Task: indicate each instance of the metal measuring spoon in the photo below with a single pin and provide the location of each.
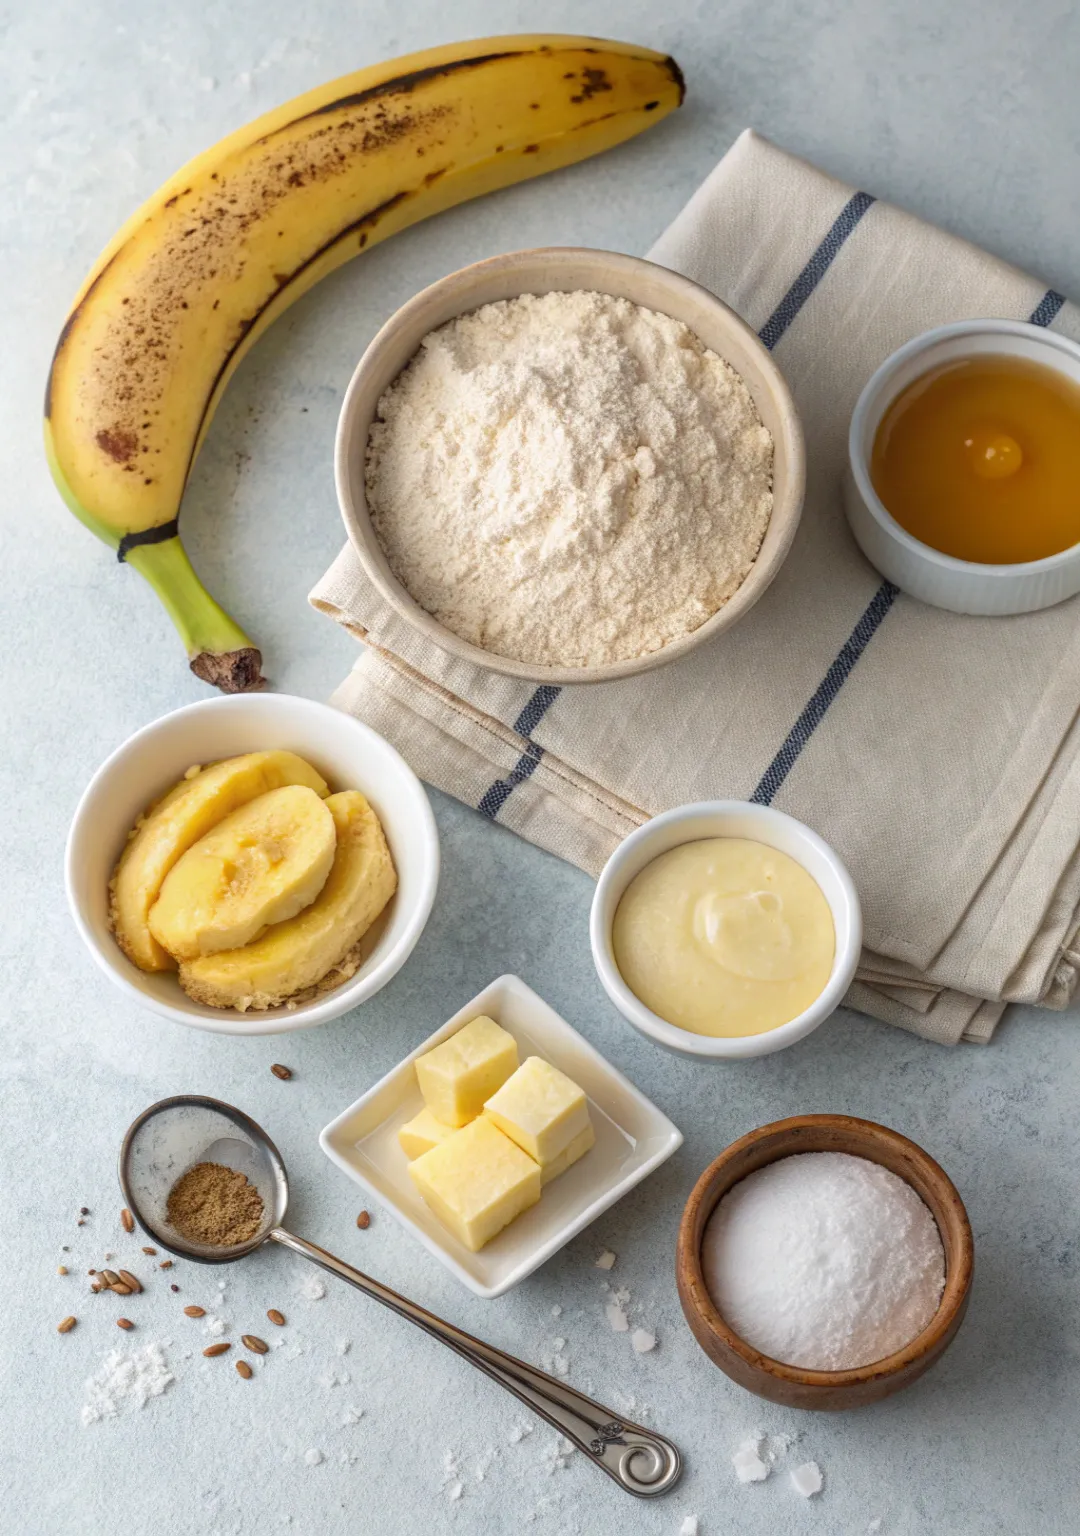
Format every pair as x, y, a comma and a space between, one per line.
170, 1136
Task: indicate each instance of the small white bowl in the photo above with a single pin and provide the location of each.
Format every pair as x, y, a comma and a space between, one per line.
726, 818
962, 586
349, 756
632, 1138
564, 270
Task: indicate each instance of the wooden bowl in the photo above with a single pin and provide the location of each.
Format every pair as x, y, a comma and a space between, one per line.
787, 1384
563, 270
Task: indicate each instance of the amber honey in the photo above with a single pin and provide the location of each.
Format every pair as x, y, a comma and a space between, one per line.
980, 458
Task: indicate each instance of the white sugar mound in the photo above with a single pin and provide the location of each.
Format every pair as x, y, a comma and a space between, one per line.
824, 1261
126, 1381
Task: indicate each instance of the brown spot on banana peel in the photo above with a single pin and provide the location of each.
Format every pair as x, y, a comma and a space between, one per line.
118, 444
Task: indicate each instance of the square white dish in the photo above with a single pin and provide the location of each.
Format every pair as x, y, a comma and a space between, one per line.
632, 1138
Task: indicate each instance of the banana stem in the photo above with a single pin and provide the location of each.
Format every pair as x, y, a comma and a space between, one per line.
218, 650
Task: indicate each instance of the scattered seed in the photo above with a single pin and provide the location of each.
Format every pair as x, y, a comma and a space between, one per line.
121, 1290
151, 1252
91, 1271
61, 1269
257, 1346
124, 1322
111, 1277
84, 1210
217, 1349
64, 1248
363, 1221
275, 1317
127, 1220
165, 1264
244, 1369
174, 1287
80, 1222
97, 1286
194, 1311
279, 1071
67, 1325
130, 1281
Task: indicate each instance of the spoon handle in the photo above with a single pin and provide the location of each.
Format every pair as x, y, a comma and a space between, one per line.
640, 1461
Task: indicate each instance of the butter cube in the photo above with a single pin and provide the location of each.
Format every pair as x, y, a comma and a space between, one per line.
421, 1133
541, 1109
569, 1155
476, 1182
458, 1075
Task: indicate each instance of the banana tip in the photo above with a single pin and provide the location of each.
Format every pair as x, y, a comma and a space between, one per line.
677, 76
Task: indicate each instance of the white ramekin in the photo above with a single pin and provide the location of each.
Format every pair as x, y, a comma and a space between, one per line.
726, 818
562, 270
348, 754
962, 586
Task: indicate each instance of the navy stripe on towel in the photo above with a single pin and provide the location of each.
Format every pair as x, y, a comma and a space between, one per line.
815, 269
495, 797
827, 689
1045, 312
536, 709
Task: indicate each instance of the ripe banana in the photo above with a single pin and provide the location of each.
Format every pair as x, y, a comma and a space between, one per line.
194, 277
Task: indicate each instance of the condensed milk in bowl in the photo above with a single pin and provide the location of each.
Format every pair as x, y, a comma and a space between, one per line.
725, 929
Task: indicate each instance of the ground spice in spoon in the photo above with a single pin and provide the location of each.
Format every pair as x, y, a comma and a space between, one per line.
215, 1206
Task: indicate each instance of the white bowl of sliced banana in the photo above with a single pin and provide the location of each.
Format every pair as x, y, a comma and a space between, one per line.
253, 864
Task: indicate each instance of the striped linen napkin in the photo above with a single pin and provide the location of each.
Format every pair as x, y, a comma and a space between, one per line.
939, 755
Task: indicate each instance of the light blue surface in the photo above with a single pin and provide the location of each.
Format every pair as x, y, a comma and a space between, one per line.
969, 115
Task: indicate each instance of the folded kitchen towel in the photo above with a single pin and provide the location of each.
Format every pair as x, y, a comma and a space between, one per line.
939, 755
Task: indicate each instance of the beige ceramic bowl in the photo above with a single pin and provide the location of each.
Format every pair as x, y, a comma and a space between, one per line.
564, 270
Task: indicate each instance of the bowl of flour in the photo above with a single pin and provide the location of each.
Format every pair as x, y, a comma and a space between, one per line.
568, 466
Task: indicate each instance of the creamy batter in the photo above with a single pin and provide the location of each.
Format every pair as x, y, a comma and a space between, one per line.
724, 937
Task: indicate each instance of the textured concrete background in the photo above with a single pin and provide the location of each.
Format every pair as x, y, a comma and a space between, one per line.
967, 114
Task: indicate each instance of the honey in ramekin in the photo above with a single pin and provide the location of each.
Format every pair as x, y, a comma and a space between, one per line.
980, 459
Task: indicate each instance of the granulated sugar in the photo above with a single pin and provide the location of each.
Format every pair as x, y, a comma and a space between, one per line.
749, 1463
824, 1261
807, 1479
569, 479
126, 1381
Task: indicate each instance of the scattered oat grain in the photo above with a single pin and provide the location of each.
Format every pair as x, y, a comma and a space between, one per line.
67, 1325
279, 1071
216, 1349
124, 1322
244, 1369
363, 1221
275, 1317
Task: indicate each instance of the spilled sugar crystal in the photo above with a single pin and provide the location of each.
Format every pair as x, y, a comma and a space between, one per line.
807, 1479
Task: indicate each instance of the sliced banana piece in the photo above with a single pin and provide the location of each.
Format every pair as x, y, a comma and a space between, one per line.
298, 954
184, 815
263, 864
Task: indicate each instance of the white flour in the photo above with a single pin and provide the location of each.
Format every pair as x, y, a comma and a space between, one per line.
569, 479
824, 1261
